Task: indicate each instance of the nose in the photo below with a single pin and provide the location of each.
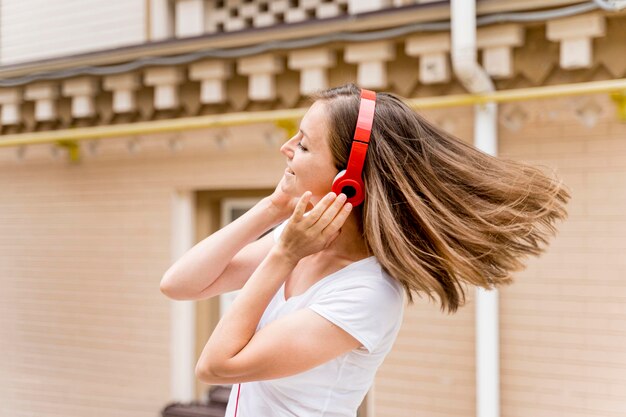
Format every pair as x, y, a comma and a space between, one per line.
287, 148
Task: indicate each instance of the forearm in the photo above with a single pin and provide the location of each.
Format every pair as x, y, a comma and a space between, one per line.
238, 325
200, 266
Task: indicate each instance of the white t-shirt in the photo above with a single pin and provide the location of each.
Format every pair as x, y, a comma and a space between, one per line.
363, 300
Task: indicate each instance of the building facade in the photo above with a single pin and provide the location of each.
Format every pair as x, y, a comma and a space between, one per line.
130, 130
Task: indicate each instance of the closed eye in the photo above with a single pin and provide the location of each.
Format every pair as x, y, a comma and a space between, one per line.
299, 145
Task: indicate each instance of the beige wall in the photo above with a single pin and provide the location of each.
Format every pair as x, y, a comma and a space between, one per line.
563, 325
85, 329
38, 29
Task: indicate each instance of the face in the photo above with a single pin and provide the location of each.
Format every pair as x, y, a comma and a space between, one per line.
309, 157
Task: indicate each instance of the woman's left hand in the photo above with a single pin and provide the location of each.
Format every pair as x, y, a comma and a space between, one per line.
304, 236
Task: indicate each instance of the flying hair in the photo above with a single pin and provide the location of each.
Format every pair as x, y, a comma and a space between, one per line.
438, 213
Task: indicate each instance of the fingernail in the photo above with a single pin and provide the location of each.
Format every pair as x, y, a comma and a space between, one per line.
348, 206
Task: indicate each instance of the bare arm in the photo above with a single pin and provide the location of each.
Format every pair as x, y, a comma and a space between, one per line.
236, 350
201, 265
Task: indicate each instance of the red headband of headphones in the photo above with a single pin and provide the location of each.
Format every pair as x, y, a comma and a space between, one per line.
349, 180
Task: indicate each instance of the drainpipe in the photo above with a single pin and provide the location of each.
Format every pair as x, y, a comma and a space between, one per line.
476, 81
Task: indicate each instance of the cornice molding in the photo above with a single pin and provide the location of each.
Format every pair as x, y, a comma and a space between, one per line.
376, 20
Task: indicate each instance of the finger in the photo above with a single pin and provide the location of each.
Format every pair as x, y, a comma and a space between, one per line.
298, 213
338, 221
321, 206
331, 211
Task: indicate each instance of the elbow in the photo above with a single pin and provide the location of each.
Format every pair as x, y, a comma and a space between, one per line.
167, 288
164, 287
205, 374
202, 375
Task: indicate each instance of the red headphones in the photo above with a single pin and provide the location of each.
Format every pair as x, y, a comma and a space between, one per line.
349, 180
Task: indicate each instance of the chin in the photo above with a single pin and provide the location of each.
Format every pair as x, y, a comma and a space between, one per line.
287, 189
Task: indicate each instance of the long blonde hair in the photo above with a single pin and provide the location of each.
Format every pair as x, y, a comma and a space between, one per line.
438, 212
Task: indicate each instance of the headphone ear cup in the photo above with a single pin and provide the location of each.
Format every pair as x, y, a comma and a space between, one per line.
354, 190
339, 175
336, 188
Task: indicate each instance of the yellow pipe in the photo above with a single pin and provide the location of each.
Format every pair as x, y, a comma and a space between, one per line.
285, 118
518, 94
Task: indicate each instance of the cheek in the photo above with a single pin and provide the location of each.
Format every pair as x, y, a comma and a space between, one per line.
314, 176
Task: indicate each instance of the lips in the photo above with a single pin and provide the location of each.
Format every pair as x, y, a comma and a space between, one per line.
289, 171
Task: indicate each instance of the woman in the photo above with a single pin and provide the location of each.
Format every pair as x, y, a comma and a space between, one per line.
321, 298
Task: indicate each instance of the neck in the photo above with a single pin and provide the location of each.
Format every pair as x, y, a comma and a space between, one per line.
349, 244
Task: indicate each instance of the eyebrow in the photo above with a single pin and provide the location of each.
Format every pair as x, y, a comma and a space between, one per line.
305, 134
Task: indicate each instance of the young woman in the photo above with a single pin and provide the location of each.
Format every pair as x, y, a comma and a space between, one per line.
322, 297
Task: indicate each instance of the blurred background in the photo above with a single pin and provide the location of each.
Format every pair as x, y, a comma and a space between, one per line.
132, 129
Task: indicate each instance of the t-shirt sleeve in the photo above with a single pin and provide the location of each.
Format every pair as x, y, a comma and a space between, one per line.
279, 229
367, 308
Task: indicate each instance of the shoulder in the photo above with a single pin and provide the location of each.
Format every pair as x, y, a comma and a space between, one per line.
363, 286
364, 302
369, 276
